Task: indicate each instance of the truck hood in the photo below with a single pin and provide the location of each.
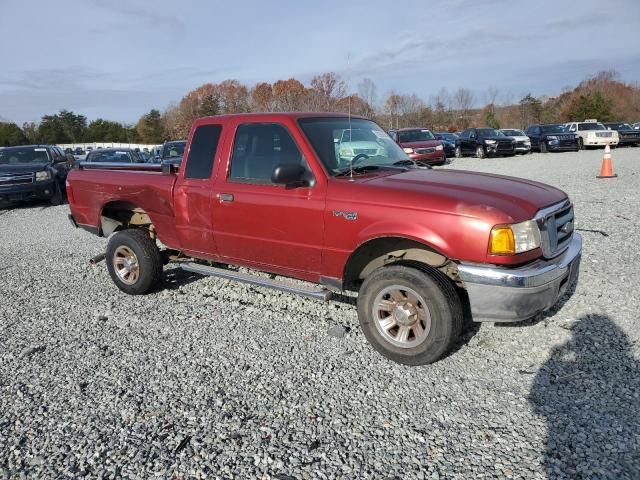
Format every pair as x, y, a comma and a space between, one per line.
22, 169
519, 138
506, 199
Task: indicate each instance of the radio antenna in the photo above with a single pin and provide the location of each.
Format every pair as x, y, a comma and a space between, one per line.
349, 114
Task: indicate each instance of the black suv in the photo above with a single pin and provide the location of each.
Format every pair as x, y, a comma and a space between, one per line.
552, 138
627, 134
33, 172
484, 142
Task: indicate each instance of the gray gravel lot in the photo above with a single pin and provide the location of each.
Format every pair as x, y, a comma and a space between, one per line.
214, 379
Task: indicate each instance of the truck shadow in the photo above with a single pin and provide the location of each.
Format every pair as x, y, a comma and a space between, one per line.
588, 392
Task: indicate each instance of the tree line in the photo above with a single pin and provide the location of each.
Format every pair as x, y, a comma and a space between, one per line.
602, 96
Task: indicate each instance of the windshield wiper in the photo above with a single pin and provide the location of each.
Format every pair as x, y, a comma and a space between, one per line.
404, 162
357, 169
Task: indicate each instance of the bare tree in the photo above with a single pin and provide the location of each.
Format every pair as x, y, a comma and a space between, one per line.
367, 91
490, 98
463, 99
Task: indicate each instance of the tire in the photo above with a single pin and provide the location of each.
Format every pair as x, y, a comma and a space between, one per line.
543, 147
57, 198
480, 153
140, 274
436, 307
580, 144
458, 152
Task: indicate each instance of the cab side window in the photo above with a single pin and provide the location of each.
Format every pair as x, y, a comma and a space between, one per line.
258, 148
202, 152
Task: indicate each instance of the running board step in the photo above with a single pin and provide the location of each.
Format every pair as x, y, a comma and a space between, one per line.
320, 294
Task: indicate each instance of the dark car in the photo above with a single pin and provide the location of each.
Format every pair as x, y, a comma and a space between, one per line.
172, 152
421, 145
627, 134
552, 138
448, 140
114, 155
33, 172
78, 151
484, 142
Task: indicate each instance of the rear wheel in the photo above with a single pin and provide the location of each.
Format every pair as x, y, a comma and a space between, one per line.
580, 144
134, 261
480, 153
410, 314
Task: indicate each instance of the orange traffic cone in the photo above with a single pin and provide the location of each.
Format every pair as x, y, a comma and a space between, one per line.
606, 171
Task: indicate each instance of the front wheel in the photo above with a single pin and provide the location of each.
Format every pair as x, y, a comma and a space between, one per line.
580, 144
410, 314
543, 147
134, 261
458, 152
480, 153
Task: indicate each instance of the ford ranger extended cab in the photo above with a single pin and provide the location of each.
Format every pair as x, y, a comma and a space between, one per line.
423, 248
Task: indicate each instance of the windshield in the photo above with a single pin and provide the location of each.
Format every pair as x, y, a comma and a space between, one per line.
449, 137
619, 126
410, 136
340, 143
116, 156
513, 133
553, 128
23, 156
173, 149
591, 126
489, 132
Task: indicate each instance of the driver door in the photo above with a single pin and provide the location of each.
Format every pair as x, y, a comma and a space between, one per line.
261, 224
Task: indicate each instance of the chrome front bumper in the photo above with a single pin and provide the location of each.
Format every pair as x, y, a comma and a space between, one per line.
499, 294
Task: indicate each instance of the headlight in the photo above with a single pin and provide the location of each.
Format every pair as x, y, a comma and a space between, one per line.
516, 238
489, 142
408, 150
44, 175
552, 137
439, 147
346, 151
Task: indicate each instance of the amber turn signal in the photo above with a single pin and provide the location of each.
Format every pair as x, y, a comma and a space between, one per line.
502, 241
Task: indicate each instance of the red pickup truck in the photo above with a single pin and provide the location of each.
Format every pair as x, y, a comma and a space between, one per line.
282, 193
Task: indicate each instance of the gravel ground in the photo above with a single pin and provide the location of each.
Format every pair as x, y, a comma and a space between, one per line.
214, 379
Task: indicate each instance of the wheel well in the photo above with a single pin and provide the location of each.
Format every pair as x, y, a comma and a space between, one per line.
383, 251
121, 215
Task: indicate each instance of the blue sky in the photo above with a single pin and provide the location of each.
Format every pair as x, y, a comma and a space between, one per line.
118, 59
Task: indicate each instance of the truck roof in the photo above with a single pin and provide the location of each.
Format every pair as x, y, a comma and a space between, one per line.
293, 115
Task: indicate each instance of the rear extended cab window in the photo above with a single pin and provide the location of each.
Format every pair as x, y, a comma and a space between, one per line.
202, 151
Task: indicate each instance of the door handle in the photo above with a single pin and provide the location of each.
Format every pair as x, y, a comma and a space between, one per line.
224, 197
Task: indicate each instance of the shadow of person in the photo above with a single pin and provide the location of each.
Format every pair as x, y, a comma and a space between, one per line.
589, 394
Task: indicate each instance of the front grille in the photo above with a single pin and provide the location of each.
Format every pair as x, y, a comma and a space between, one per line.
566, 137
603, 134
505, 147
365, 151
424, 150
556, 225
15, 179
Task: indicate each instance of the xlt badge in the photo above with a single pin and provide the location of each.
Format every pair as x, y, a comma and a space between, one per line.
346, 215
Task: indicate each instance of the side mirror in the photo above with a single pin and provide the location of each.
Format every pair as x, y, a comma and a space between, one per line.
290, 175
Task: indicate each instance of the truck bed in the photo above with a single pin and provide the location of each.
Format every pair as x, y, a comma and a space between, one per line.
92, 188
